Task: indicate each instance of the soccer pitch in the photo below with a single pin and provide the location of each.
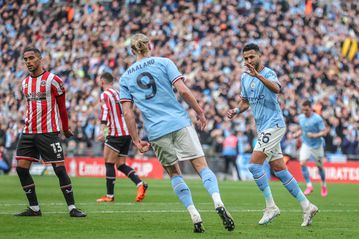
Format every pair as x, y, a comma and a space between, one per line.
161, 215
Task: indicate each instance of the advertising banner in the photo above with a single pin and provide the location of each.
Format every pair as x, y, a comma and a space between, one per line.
95, 167
335, 172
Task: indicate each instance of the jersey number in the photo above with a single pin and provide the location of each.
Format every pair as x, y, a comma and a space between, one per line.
56, 147
150, 85
265, 137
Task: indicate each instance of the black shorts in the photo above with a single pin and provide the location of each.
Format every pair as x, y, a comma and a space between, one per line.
120, 144
32, 146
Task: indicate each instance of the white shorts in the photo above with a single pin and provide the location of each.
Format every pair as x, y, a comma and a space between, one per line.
306, 151
268, 142
180, 145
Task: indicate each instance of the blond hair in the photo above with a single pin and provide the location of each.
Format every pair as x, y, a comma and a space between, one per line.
139, 44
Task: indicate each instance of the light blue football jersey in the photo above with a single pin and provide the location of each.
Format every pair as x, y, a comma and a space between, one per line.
312, 124
148, 83
263, 102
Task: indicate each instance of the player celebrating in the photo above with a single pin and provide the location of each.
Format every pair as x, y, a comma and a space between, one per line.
45, 95
148, 83
117, 141
259, 86
312, 130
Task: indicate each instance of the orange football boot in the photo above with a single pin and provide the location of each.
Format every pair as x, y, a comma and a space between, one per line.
141, 191
105, 199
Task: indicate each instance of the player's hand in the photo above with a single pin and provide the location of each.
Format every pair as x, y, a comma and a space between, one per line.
231, 113
68, 133
311, 135
143, 146
251, 70
202, 121
101, 137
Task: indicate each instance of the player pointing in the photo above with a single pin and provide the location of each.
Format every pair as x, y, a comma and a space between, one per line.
259, 86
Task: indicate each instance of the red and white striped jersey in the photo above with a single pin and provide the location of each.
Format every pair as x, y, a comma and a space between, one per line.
111, 113
42, 114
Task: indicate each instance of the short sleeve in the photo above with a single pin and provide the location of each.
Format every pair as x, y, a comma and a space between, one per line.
57, 86
172, 71
244, 94
272, 76
104, 109
125, 94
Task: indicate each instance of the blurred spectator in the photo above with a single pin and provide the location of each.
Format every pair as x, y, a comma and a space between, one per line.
81, 39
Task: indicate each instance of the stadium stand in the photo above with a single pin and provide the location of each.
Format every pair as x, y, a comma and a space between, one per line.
82, 39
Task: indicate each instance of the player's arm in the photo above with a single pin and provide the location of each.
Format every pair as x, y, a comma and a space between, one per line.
188, 97
322, 133
58, 90
129, 116
242, 106
61, 103
297, 133
271, 85
104, 117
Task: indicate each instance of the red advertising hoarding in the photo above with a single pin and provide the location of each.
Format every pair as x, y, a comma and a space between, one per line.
95, 167
335, 172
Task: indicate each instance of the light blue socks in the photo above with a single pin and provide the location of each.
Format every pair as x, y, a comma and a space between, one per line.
262, 182
209, 180
306, 176
292, 186
182, 190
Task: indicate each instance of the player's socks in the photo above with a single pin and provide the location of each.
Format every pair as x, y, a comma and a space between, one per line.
110, 178
28, 185
292, 186
195, 216
182, 191
65, 184
322, 175
306, 176
70, 207
35, 208
130, 173
210, 183
261, 180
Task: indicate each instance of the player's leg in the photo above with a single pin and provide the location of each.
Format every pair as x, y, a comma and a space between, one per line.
234, 162
188, 147
304, 155
110, 157
259, 175
210, 183
50, 149
289, 182
124, 146
319, 156
164, 149
26, 153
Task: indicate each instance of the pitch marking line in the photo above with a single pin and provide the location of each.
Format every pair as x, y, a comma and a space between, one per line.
185, 211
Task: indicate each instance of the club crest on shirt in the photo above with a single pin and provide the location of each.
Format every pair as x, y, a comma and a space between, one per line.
252, 85
43, 83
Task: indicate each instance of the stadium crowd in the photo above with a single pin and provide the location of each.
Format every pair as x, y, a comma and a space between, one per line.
81, 39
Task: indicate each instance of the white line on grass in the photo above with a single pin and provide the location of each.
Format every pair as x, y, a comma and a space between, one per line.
93, 203
185, 211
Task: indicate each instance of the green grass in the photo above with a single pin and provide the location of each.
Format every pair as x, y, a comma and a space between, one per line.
162, 216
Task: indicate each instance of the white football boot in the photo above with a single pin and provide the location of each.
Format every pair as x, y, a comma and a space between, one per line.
308, 214
269, 214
